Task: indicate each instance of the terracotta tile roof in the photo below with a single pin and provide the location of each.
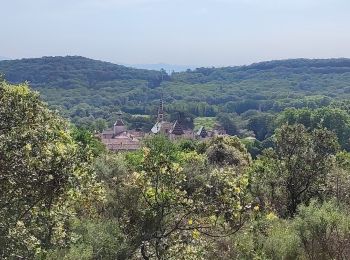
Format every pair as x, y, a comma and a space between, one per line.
108, 131
122, 142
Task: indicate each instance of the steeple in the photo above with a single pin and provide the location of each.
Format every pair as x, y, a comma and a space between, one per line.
160, 117
119, 126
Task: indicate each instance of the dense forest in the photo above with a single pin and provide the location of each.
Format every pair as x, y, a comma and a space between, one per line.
281, 195
87, 90
63, 196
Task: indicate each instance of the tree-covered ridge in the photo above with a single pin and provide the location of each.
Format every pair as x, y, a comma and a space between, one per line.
63, 196
272, 85
67, 72
68, 81
89, 92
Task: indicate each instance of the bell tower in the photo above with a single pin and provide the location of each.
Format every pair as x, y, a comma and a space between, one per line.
160, 117
119, 126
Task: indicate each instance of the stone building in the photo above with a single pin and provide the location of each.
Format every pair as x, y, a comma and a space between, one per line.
119, 138
172, 130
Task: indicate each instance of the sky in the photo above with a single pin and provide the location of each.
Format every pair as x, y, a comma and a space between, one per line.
184, 32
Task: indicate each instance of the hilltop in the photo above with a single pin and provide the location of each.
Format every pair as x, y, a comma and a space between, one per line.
86, 88
70, 71
4, 58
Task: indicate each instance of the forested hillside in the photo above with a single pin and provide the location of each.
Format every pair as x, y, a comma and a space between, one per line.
95, 87
90, 92
63, 196
72, 71
279, 195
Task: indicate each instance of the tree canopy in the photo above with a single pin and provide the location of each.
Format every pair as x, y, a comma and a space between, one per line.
42, 172
278, 189
86, 90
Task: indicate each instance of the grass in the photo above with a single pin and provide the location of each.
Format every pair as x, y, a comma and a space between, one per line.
139, 115
207, 122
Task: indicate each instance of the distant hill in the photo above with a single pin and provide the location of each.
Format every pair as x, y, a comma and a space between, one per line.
4, 58
70, 71
169, 68
86, 88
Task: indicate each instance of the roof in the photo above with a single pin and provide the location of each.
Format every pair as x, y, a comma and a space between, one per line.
202, 132
177, 129
119, 122
161, 126
122, 142
136, 133
123, 147
121, 138
156, 128
106, 132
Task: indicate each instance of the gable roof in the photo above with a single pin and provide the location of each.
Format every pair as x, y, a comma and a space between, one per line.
162, 126
177, 129
202, 132
119, 122
156, 128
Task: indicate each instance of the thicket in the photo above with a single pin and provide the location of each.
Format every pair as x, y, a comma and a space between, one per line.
63, 196
90, 92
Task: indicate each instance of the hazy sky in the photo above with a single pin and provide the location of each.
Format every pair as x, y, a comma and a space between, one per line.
193, 32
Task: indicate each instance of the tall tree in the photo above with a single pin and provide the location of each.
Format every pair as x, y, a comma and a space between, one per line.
261, 125
296, 170
175, 208
334, 119
41, 174
227, 122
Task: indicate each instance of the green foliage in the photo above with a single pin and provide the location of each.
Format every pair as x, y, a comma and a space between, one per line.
338, 180
94, 239
63, 196
296, 170
282, 242
42, 175
261, 125
186, 119
80, 251
319, 231
207, 122
254, 147
334, 119
324, 231
175, 201
228, 123
227, 151
188, 145
159, 146
113, 170
72, 70
86, 90
87, 142
90, 92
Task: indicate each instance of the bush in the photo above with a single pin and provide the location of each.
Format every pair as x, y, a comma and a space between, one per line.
227, 151
324, 231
